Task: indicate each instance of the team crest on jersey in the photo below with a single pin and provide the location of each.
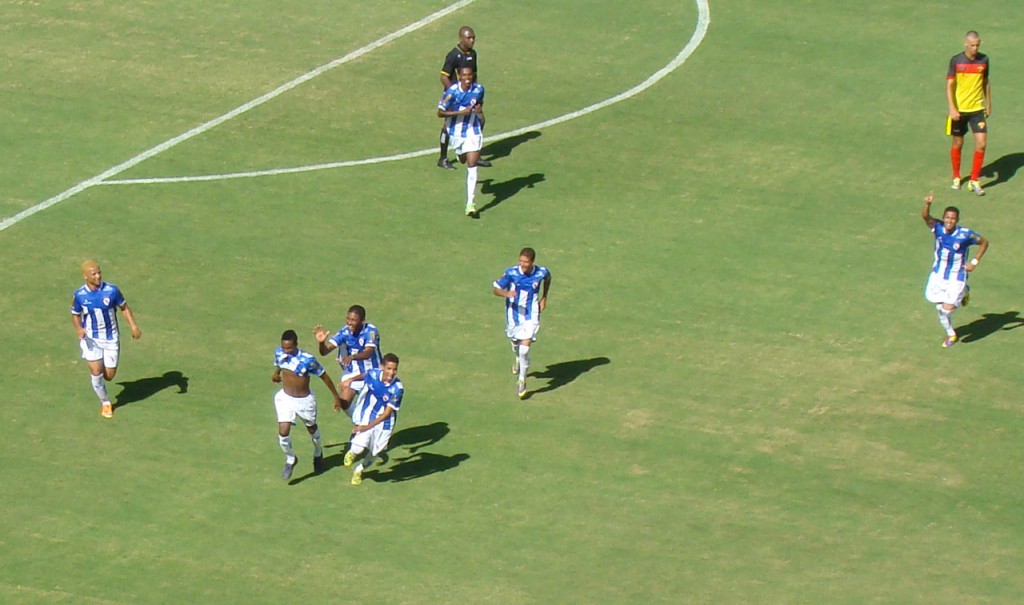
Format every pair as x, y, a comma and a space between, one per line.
106, 302
387, 398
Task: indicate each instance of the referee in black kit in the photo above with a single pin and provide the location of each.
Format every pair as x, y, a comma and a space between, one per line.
461, 56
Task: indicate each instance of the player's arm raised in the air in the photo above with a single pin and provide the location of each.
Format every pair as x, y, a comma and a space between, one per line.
926, 212
322, 342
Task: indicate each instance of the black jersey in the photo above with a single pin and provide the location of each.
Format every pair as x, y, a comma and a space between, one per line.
456, 60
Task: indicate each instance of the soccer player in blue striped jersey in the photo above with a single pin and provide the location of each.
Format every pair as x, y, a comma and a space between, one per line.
94, 315
375, 415
947, 283
293, 368
525, 290
462, 108
358, 345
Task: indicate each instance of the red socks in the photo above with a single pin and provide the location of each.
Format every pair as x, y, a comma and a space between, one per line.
979, 161
954, 154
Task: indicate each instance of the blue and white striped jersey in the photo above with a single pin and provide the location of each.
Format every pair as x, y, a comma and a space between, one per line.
380, 396
951, 251
301, 364
352, 344
455, 99
526, 304
98, 310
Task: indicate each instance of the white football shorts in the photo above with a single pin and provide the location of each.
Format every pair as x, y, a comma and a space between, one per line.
524, 330
289, 407
95, 350
941, 291
461, 145
375, 440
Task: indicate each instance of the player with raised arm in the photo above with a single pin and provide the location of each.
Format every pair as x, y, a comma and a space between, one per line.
947, 283
358, 345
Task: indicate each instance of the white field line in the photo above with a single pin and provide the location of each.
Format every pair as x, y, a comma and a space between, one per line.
703, 22
198, 130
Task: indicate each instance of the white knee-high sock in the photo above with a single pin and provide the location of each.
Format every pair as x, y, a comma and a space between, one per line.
470, 185
318, 449
100, 386
524, 361
286, 447
946, 321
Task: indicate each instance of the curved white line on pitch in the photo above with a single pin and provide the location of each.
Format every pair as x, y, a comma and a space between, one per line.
101, 178
704, 20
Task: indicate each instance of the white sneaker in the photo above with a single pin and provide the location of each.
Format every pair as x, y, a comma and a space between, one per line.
975, 186
956, 184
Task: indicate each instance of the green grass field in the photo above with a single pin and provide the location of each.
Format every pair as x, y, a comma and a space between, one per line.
740, 393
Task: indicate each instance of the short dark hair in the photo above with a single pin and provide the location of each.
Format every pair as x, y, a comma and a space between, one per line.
529, 253
358, 310
951, 209
389, 357
290, 336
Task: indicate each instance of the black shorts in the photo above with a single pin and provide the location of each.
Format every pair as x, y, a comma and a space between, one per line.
974, 119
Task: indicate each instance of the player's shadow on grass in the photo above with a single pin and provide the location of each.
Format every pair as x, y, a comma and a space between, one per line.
561, 374
504, 190
988, 324
504, 147
418, 437
411, 439
1003, 169
143, 388
416, 466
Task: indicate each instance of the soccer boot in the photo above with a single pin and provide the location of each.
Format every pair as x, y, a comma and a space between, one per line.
289, 467
483, 163
318, 464
357, 477
956, 183
446, 164
975, 186
521, 389
350, 459
107, 409
471, 210
950, 341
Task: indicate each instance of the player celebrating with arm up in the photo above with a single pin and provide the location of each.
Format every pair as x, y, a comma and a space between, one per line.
947, 285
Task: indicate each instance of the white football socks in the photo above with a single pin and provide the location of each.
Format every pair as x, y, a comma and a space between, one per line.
470, 185
100, 386
286, 447
318, 449
945, 320
524, 361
